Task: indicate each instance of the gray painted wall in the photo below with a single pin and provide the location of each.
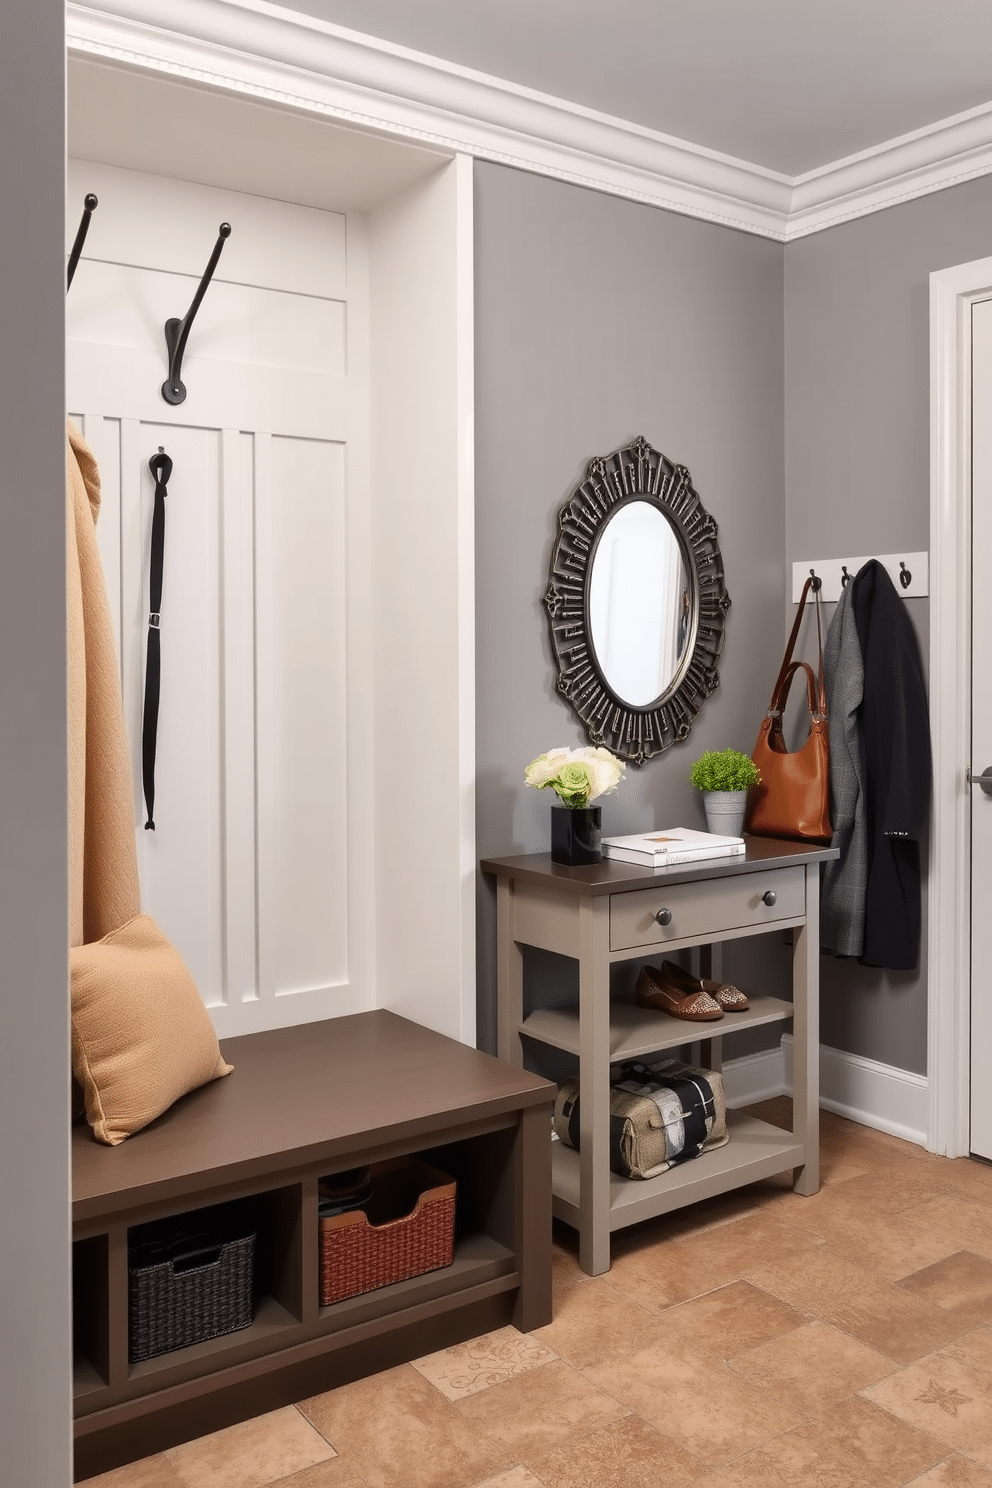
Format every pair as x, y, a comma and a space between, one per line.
858, 474
596, 320
34, 1172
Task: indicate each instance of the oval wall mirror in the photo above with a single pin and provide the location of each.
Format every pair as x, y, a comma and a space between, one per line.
637, 602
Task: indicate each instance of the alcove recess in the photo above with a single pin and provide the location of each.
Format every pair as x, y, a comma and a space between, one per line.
331, 694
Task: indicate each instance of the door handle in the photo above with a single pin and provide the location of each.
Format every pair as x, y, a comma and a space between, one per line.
984, 780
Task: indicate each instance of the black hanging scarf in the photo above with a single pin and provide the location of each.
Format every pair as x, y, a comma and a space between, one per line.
161, 468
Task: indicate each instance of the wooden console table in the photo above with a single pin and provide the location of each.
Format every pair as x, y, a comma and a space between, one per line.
304, 1103
614, 911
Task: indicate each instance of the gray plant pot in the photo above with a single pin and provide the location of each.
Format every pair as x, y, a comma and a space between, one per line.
725, 811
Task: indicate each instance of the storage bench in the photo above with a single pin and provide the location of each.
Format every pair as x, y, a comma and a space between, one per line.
304, 1103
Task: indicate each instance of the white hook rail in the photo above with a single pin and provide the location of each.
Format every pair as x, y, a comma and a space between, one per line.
831, 572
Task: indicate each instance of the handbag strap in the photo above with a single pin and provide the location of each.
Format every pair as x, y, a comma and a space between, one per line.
160, 466
812, 700
817, 698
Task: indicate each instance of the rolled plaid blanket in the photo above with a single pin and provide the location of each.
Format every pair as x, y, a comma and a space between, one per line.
660, 1115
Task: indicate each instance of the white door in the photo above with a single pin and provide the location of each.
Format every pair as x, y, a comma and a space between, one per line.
981, 740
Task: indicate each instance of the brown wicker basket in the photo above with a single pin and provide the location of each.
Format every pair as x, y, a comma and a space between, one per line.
407, 1228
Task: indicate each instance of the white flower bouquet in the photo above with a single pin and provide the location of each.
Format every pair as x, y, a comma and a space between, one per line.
577, 776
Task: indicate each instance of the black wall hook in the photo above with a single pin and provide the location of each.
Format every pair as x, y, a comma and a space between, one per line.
905, 577
177, 331
845, 577
160, 466
817, 582
90, 204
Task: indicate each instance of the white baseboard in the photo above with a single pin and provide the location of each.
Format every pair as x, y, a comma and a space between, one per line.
877, 1095
754, 1077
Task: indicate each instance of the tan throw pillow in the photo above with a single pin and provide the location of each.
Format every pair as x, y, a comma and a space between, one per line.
141, 1036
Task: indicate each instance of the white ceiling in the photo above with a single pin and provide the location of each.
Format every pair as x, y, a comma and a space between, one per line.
790, 85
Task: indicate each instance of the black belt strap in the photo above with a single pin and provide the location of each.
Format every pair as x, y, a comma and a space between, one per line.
161, 468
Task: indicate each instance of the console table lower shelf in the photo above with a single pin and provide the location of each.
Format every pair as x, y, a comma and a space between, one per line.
305, 1103
755, 1150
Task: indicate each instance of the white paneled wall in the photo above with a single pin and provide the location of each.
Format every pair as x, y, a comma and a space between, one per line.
259, 868
317, 619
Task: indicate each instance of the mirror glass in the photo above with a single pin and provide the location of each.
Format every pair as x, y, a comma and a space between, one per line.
640, 610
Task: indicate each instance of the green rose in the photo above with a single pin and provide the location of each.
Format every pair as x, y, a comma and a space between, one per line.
573, 784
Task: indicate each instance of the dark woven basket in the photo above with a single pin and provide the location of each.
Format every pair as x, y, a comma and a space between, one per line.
187, 1290
361, 1251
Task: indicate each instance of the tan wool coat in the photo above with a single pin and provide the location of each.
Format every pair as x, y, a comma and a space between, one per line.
103, 866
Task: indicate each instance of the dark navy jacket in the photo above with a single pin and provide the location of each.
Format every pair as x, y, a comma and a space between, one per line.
896, 768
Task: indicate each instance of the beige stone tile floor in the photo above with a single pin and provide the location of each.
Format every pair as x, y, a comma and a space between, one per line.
761, 1340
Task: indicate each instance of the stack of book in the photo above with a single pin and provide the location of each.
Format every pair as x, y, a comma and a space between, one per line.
674, 845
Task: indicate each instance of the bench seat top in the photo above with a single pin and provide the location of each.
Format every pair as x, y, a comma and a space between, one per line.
315, 1092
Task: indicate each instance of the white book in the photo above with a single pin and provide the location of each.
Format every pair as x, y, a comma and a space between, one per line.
671, 846
669, 860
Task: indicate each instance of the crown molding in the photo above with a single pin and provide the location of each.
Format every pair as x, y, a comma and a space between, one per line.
944, 154
279, 56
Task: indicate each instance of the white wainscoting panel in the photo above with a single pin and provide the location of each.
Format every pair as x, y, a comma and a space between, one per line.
238, 721
221, 395
302, 718
124, 306
159, 222
259, 858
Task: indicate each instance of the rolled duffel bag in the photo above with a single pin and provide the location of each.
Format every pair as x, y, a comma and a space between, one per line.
660, 1115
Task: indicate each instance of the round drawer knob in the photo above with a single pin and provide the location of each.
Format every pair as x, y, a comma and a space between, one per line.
664, 917
769, 897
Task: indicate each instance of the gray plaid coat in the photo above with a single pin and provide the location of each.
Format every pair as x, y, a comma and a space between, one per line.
845, 879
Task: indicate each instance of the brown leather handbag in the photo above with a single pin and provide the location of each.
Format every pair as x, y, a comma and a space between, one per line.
793, 799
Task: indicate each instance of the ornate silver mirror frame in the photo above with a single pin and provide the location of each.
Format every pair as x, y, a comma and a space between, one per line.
635, 472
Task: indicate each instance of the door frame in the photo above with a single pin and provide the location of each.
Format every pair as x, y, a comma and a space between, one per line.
952, 293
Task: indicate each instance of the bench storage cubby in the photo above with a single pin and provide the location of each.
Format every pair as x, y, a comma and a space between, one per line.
303, 1104
405, 1228
189, 1279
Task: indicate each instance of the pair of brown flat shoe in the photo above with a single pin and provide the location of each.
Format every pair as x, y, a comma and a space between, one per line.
669, 989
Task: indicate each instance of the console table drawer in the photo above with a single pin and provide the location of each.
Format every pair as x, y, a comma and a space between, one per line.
705, 910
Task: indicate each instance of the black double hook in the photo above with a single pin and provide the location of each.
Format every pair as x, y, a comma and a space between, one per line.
90, 204
817, 583
177, 331
905, 576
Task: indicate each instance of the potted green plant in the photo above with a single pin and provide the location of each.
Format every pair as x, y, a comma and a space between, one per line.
724, 776
577, 776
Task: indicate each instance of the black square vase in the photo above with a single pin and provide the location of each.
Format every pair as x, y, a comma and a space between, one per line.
576, 835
